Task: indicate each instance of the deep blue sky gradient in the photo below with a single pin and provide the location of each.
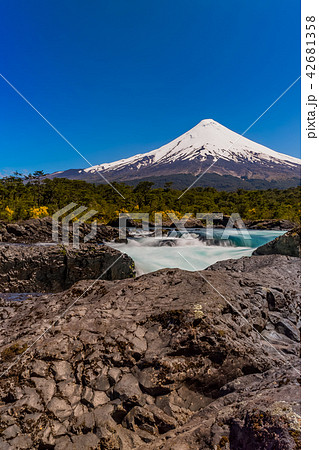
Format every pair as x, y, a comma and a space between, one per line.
120, 77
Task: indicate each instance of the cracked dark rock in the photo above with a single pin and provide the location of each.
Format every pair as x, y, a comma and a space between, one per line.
54, 268
159, 361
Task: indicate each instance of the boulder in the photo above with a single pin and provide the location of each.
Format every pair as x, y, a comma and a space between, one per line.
288, 244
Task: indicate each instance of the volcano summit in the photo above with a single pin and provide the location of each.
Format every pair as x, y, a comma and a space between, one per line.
208, 147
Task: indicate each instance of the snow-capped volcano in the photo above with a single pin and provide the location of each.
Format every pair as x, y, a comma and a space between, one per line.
210, 147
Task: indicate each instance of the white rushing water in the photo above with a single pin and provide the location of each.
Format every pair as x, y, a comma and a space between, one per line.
188, 251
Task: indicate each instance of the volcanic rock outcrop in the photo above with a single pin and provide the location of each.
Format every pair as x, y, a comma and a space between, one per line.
54, 268
270, 224
288, 244
40, 230
171, 359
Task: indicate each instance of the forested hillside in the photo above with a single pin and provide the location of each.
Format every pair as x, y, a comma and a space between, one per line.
33, 197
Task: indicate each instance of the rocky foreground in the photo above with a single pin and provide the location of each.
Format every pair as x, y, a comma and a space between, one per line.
169, 360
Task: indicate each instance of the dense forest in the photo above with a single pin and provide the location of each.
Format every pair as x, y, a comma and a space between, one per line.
32, 196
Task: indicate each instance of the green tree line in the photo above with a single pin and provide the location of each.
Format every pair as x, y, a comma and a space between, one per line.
35, 196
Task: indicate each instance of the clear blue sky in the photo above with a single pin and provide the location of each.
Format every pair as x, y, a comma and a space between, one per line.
119, 77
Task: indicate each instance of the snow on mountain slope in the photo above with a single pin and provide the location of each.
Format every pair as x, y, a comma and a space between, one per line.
208, 147
207, 140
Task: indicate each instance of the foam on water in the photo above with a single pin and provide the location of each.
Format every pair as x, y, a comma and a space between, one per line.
150, 253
